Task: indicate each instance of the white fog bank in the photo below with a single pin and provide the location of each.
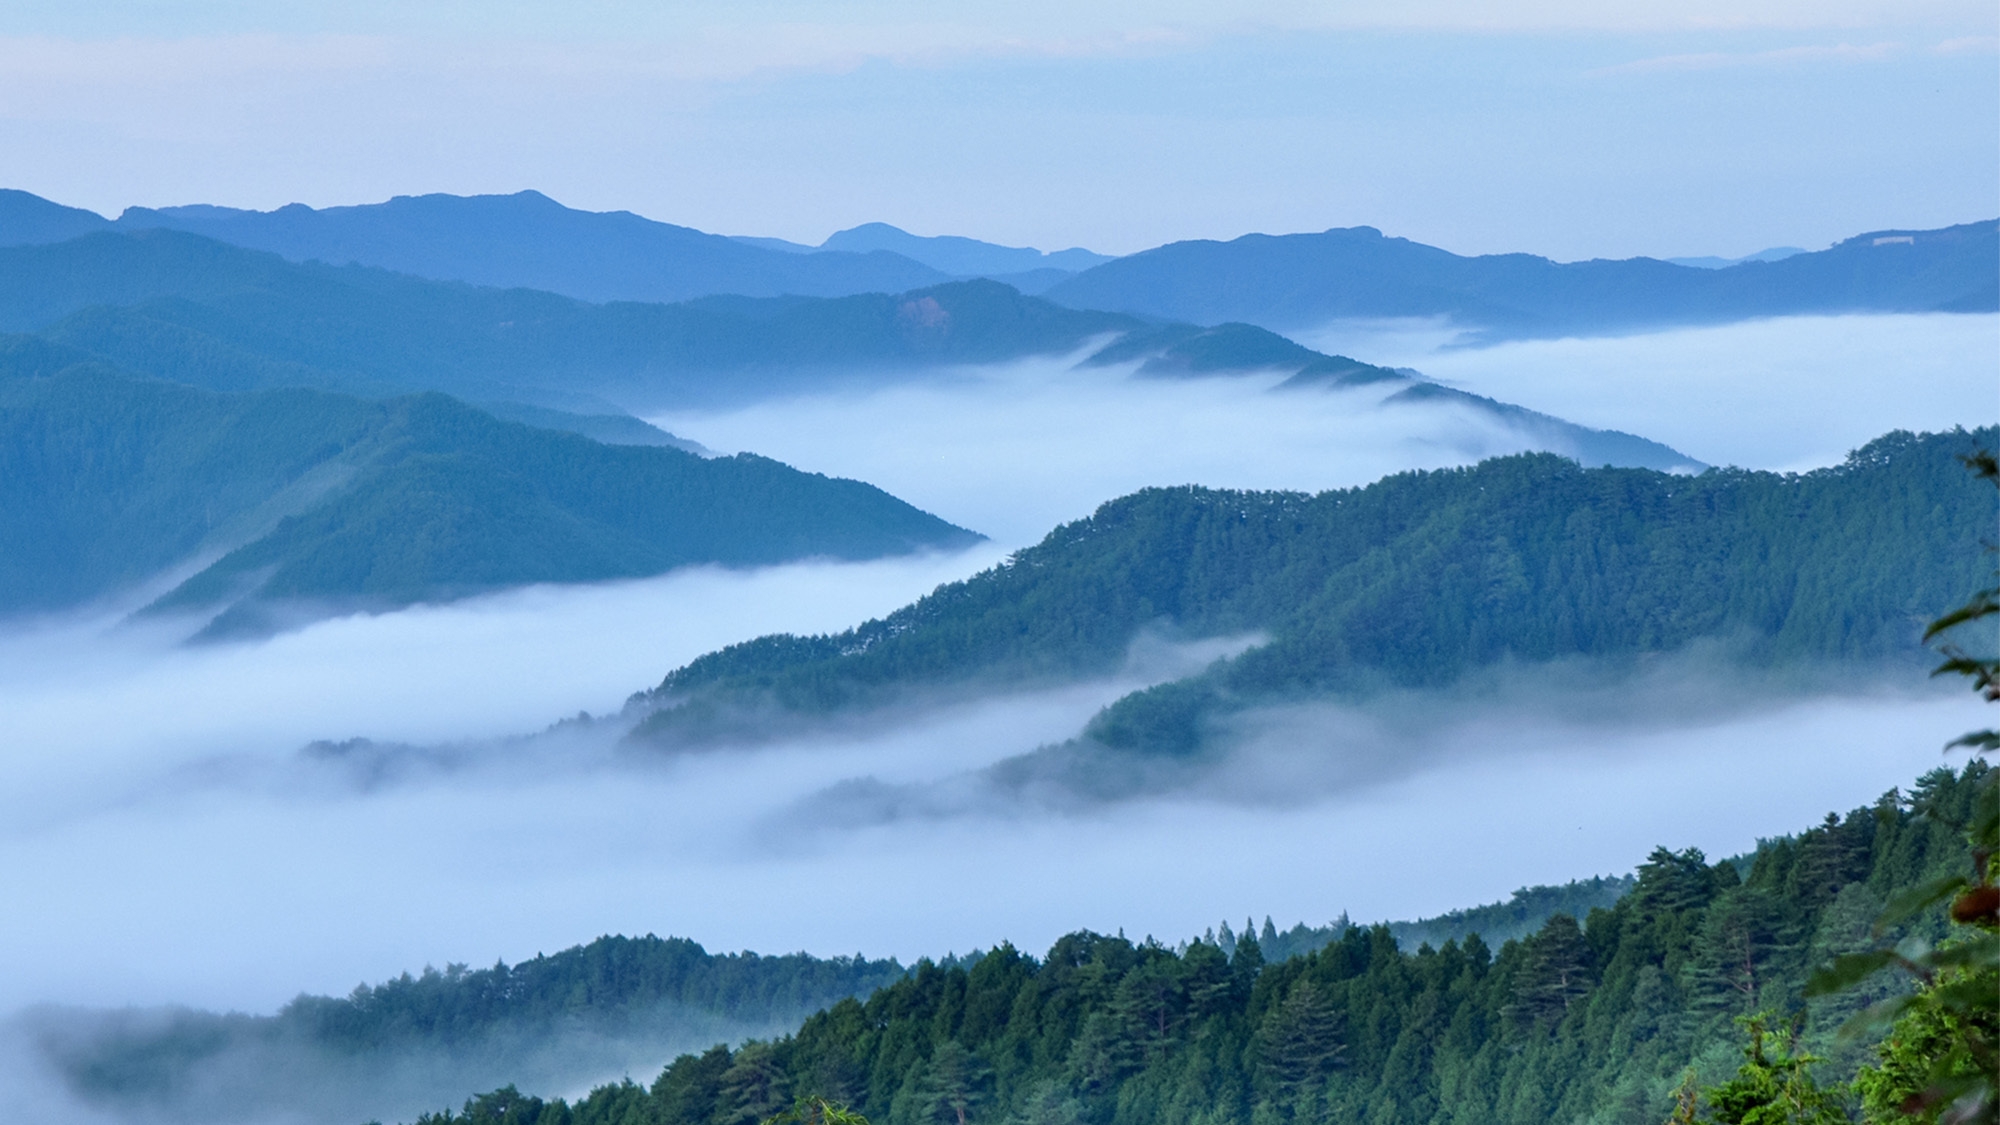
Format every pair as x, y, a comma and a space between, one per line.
93, 708
1787, 393
1013, 450
162, 839
241, 886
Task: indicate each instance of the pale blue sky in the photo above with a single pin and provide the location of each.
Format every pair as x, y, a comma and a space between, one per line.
1554, 126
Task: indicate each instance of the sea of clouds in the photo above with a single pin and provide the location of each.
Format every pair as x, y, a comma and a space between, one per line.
164, 839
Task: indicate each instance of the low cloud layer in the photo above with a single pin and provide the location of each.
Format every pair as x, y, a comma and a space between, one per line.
163, 838
239, 881
1787, 393
1013, 450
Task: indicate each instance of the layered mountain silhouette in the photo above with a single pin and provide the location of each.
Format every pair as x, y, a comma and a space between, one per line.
1281, 282
1026, 269
1300, 280
189, 309
523, 240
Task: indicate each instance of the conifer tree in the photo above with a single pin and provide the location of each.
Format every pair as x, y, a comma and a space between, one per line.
1298, 1044
954, 1082
1555, 975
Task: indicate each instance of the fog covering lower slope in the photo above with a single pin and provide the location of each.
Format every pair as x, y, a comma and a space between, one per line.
1301, 280
293, 503
550, 1020
553, 1021
1591, 1019
1412, 582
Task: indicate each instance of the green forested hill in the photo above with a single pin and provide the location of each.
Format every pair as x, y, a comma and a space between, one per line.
586, 1010
1588, 1020
295, 498
1413, 581
339, 1059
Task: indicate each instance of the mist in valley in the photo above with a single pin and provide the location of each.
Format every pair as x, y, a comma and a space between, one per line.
1014, 449
1787, 393
167, 838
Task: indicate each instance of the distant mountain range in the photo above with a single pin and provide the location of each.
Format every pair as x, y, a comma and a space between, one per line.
1711, 262
190, 309
1028, 270
525, 240
1415, 582
284, 435
256, 510
528, 240
1280, 282
1301, 280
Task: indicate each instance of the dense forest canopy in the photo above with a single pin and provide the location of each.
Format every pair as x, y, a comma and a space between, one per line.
401, 1041
586, 1010
1586, 1020
1413, 581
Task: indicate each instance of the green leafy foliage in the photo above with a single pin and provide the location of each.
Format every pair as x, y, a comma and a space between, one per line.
1774, 1086
1596, 1020
1413, 581
1941, 1062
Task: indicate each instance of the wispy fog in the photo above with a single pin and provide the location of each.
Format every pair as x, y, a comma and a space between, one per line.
1013, 450
1787, 393
241, 881
140, 867
165, 839
93, 706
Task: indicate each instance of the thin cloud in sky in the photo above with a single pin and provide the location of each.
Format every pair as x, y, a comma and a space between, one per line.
1784, 56
991, 20
1479, 128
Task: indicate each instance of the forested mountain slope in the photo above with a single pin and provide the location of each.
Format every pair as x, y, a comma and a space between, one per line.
1302, 280
1414, 581
1588, 1020
300, 502
549, 1022
586, 1010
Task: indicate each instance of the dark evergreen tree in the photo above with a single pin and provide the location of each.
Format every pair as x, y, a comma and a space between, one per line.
955, 1081
753, 1088
1553, 975
1298, 1045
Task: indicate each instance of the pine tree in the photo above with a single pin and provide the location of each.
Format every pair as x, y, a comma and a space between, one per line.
1774, 1086
1555, 974
1298, 1043
753, 1088
954, 1082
